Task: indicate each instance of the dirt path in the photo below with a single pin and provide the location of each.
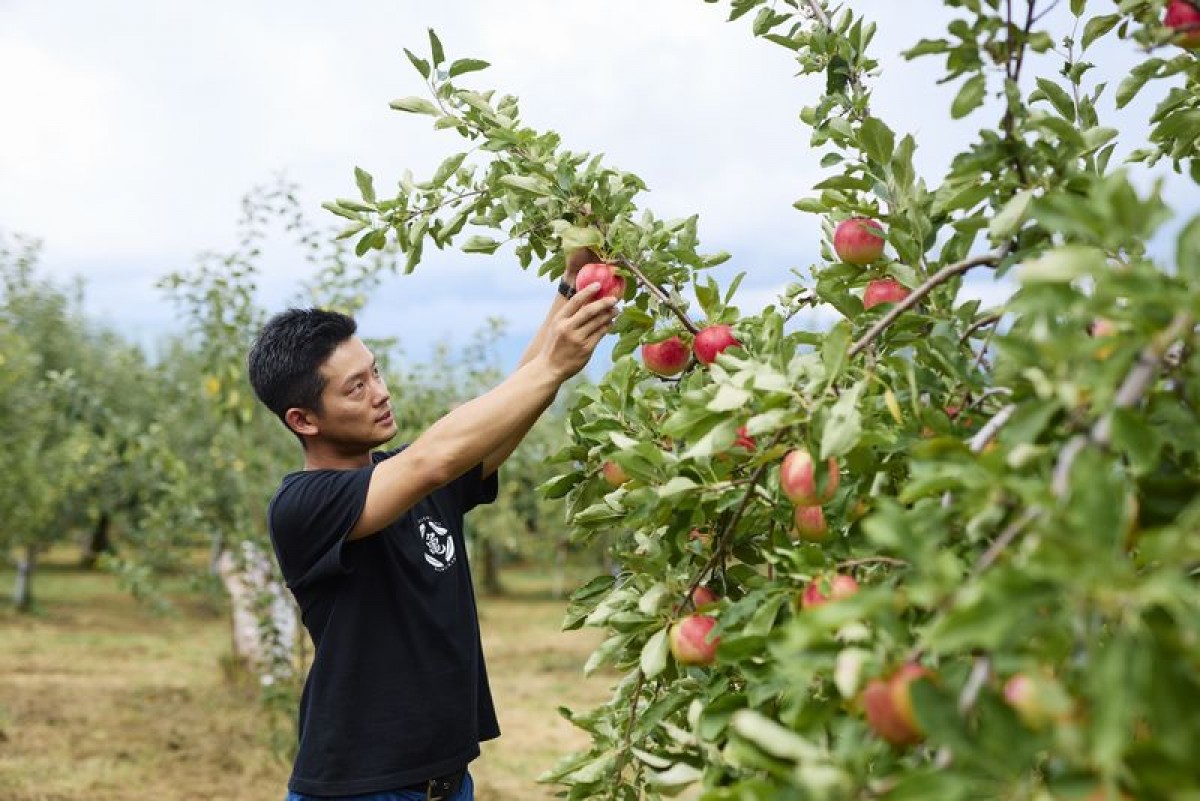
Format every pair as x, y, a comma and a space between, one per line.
100, 700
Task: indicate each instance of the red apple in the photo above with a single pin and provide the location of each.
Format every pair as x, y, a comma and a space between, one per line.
810, 523
1184, 18
856, 242
667, 357
703, 596
744, 440
800, 485
1038, 700
888, 704
711, 341
840, 586
884, 290
611, 284
614, 474
689, 640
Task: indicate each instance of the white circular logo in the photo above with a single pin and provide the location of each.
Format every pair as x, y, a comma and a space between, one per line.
439, 545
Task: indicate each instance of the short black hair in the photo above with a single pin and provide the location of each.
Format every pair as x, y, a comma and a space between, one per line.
286, 357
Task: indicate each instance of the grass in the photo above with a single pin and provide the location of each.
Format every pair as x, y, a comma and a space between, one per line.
100, 699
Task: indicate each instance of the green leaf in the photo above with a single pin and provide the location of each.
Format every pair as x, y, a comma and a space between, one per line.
1129, 88
969, 97
1057, 96
834, 349
464, 65
1062, 265
1011, 217
573, 236
480, 244
435, 47
844, 426
415, 105
877, 140
529, 183
772, 737
447, 168
421, 64
366, 186
1187, 252
1097, 27
654, 654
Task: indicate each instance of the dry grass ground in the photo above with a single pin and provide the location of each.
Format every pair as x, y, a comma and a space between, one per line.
101, 700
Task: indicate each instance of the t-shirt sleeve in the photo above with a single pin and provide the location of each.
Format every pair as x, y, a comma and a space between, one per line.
310, 518
471, 489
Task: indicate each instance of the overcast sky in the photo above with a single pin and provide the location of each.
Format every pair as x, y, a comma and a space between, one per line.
132, 128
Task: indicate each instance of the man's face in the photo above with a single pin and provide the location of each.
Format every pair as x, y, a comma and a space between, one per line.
356, 408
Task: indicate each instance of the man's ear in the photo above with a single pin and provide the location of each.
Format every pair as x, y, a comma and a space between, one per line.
301, 421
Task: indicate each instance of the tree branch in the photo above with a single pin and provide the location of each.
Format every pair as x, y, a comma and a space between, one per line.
1135, 386
917, 295
660, 293
986, 434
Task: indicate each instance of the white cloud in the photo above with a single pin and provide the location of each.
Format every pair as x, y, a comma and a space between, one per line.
134, 129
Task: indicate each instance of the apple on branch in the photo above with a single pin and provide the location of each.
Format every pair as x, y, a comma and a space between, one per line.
858, 240
810, 523
884, 290
689, 640
840, 586
888, 705
1184, 17
710, 342
611, 283
703, 596
667, 357
614, 474
800, 484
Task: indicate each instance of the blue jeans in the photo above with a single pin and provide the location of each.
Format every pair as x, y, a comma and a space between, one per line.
465, 793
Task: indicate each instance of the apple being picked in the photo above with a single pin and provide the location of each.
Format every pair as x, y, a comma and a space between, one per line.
884, 290
712, 341
858, 240
689, 640
840, 586
611, 284
666, 358
799, 483
1184, 17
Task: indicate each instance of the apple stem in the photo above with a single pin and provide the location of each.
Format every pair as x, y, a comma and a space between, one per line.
917, 295
659, 293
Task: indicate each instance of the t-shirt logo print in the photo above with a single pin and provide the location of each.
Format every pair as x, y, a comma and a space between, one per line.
439, 545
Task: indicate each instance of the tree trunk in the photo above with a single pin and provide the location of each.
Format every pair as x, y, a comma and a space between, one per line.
491, 568
264, 620
23, 587
100, 542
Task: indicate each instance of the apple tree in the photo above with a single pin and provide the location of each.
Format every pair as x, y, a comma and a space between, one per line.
934, 550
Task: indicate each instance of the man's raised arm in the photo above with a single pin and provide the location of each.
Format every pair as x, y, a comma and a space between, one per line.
464, 437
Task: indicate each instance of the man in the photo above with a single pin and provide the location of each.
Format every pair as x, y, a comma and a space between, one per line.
371, 546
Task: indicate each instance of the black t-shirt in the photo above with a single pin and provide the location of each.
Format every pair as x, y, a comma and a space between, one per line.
398, 692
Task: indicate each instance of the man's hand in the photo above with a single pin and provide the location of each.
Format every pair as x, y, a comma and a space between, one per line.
576, 330
575, 261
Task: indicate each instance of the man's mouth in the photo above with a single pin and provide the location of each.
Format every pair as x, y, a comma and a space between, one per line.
384, 418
